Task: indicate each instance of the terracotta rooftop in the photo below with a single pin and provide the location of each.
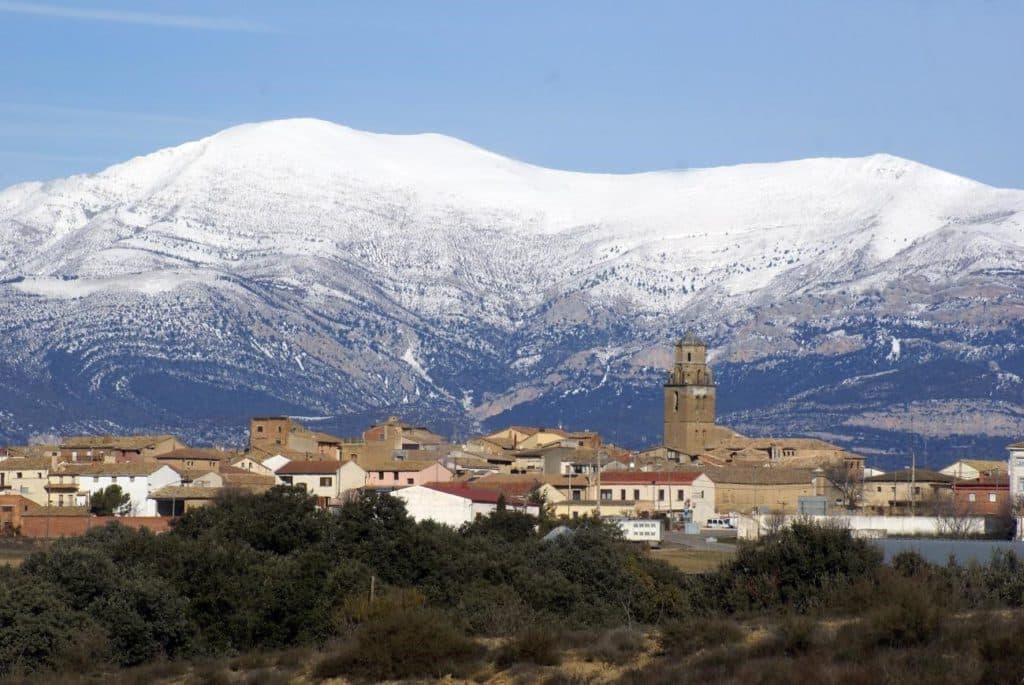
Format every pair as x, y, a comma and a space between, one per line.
96, 469
198, 453
466, 492
116, 442
186, 492
906, 475
997, 481
396, 464
298, 468
639, 477
57, 511
759, 475
27, 463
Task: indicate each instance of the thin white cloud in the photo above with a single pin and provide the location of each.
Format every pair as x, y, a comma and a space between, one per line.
173, 21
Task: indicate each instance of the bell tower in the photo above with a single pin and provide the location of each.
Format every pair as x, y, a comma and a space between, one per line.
689, 399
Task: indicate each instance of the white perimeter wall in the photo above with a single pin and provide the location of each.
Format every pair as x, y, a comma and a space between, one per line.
752, 527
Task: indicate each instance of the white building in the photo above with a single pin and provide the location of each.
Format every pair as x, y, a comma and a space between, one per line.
689, 493
973, 469
275, 462
137, 481
1015, 467
452, 504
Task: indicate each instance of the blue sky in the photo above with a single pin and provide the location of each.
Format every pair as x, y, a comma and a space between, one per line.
590, 86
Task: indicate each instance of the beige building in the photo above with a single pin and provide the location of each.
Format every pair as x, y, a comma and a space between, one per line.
920, 491
272, 434
691, 433
767, 489
26, 476
195, 458
117, 448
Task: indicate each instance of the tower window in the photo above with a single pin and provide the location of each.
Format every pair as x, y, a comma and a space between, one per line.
689, 356
675, 401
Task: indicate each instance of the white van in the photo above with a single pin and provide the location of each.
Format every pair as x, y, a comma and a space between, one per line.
719, 523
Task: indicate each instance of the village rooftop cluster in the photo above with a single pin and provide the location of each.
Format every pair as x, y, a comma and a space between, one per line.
702, 472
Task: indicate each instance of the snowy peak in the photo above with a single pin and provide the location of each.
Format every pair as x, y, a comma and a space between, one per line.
299, 266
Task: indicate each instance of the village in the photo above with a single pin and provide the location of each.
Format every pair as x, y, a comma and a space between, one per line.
703, 476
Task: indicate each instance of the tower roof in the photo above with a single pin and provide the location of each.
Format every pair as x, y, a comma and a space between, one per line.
690, 339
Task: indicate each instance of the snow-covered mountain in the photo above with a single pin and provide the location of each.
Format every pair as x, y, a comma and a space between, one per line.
303, 267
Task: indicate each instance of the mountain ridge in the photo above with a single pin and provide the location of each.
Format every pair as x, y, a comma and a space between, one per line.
386, 279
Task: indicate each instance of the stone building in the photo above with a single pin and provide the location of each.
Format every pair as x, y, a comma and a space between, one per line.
689, 406
692, 434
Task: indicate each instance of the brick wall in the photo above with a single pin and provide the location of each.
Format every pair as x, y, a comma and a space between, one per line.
62, 526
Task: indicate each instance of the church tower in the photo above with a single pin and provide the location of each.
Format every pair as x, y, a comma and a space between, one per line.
689, 399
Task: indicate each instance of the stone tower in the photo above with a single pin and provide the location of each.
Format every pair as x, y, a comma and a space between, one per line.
689, 399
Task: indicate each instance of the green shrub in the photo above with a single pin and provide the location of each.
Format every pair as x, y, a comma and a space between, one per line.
617, 646
405, 643
681, 638
539, 646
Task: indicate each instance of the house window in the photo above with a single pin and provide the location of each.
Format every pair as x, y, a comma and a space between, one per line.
409, 481
661, 495
917, 490
879, 488
680, 496
636, 494
622, 494
259, 429
131, 479
18, 474
326, 482
380, 475
394, 476
577, 495
991, 497
301, 486
39, 475
606, 495
972, 497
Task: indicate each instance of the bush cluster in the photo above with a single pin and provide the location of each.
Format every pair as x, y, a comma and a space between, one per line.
392, 598
272, 571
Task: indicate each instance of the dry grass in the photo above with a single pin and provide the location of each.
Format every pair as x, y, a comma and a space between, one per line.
693, 561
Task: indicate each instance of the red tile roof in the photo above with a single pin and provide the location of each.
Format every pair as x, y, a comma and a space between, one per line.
631, 477
466, 492
298, 468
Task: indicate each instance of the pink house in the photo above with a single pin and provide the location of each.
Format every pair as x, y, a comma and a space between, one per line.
392, 474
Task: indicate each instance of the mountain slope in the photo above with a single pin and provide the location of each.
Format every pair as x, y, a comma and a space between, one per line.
304, 267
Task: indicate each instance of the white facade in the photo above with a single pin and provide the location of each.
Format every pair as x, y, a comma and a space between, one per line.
137, 487
1015, 468
425, 503
274, 463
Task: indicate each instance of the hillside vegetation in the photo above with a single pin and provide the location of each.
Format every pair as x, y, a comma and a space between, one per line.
379, 596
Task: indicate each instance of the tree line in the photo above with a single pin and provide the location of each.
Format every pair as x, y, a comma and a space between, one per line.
272, 571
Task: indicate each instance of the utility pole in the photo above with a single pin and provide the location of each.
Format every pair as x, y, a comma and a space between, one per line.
913, 481
597, 464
